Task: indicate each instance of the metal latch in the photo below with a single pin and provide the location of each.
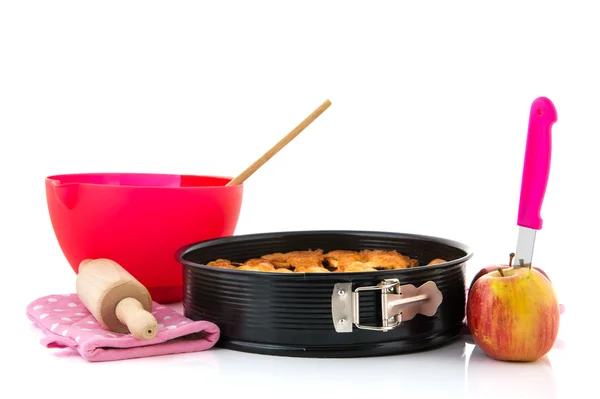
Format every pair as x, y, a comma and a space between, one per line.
398, 303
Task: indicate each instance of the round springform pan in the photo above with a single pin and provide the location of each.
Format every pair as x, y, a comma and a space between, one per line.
314, 314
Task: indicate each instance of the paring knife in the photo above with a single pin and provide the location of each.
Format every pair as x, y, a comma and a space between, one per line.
536, 170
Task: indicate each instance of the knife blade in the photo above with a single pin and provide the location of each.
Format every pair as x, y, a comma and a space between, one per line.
536, 170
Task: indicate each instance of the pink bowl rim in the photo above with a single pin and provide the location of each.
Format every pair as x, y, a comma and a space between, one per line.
56, 180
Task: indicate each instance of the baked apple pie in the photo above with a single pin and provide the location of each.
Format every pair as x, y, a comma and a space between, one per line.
315, 261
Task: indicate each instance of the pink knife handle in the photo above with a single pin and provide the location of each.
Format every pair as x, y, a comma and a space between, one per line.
536, 167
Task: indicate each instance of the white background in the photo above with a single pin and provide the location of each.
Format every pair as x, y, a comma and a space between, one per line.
426, 134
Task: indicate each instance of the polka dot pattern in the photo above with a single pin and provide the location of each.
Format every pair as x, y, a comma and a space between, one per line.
68, 323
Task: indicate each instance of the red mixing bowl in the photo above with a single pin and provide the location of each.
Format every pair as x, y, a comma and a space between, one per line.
140, 220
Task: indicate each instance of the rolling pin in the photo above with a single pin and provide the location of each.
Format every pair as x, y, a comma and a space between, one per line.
115, 298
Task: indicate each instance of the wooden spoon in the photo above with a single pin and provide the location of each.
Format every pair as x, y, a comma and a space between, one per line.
277, 147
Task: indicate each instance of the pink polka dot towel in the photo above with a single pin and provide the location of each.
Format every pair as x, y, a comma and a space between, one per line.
68, 324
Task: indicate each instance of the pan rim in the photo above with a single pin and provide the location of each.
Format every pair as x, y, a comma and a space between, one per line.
184, 250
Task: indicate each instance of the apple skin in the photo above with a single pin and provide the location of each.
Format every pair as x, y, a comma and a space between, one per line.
514, 317
490, 269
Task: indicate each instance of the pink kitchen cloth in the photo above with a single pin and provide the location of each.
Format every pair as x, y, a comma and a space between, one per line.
68, 324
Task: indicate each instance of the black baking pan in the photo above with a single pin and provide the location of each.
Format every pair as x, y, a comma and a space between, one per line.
314, 314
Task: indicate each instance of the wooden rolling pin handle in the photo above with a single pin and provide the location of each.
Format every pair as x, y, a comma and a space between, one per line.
141, 323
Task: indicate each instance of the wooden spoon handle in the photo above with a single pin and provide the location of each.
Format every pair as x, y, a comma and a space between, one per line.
277, 147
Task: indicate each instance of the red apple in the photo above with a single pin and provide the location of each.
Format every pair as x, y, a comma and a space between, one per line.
489, 269
513, 314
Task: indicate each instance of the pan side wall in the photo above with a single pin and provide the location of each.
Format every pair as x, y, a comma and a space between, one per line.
294, 311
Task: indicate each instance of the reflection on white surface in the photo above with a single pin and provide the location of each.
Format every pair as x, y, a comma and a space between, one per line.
430, 373
489, 378
448, 371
